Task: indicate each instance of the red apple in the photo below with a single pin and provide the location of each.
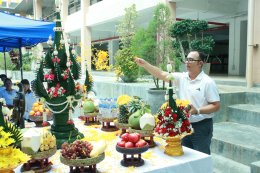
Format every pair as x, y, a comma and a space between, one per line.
134, 137
129, 145
38, 113
70, 122
125, 137
121, 143
141, 143
45, 123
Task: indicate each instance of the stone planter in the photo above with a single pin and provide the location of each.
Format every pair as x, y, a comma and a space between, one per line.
156, 99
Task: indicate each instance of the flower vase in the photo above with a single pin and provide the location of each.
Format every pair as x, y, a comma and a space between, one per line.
7, 170
173, 147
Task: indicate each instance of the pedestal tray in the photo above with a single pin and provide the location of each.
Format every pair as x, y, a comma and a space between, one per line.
39, 119
39, 162
106, 123
91, 118
129, 154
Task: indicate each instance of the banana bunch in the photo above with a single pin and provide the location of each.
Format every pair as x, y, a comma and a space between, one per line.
48, 141
98, 148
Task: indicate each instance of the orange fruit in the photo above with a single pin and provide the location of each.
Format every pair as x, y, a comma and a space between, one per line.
35, 109
31, 113
35, 104
41, 109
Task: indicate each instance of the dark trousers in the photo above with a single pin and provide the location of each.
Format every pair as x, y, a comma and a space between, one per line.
201, 137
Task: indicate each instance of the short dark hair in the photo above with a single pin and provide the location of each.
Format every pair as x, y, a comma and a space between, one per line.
3, 75
25, 81
202, 55
7, 79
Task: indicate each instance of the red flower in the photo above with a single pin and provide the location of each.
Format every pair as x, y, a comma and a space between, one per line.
167, 112
183, 128
174, 116
169, 126
186, 122
172, 133
55, 94
163, 130
157, 129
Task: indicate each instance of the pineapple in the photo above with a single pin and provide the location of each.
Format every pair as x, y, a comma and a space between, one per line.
135, 104
123, 114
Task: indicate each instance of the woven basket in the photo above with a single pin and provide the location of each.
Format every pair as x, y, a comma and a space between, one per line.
132, 150
142, 132
82, 162
91, 114
105, 119
40, 118
122, 125
42, 154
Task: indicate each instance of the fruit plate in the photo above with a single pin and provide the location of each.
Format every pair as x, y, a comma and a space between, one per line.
132, 150
82, 162
40, 118
42, 154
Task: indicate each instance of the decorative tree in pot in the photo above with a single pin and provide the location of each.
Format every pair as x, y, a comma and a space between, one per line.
58, 70
154, 44
125, 66
189, 35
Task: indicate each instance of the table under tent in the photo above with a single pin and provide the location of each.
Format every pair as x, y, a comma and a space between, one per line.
18, 32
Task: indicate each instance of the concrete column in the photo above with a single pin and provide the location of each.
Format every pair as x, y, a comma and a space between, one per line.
85, 37
250, 43
172, 6
64, 10
236, 55
37, 9
113, 46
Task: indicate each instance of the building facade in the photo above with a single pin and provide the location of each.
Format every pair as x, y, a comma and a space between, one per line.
233, 24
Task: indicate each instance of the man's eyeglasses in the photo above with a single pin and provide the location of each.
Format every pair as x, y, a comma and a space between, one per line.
191, 60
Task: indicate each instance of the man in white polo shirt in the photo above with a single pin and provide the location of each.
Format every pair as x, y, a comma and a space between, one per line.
201, 91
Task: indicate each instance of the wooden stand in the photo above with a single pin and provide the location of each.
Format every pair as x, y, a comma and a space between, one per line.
91, 119
132, 161
37, 165
106, 124
82, 169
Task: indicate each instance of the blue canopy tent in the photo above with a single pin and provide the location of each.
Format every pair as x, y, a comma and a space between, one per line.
17, 32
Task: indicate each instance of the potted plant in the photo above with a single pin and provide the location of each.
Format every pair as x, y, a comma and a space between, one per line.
154, 44
189, 35
125, 67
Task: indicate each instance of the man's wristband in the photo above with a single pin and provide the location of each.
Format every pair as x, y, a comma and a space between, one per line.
198, 111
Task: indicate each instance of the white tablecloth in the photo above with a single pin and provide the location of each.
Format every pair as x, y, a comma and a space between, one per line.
155, 160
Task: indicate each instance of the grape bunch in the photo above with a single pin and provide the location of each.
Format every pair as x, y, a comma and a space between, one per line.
76, 150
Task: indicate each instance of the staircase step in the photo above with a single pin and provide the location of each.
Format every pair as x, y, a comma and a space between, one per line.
225, 165
252, 97
245, 114
236, 141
